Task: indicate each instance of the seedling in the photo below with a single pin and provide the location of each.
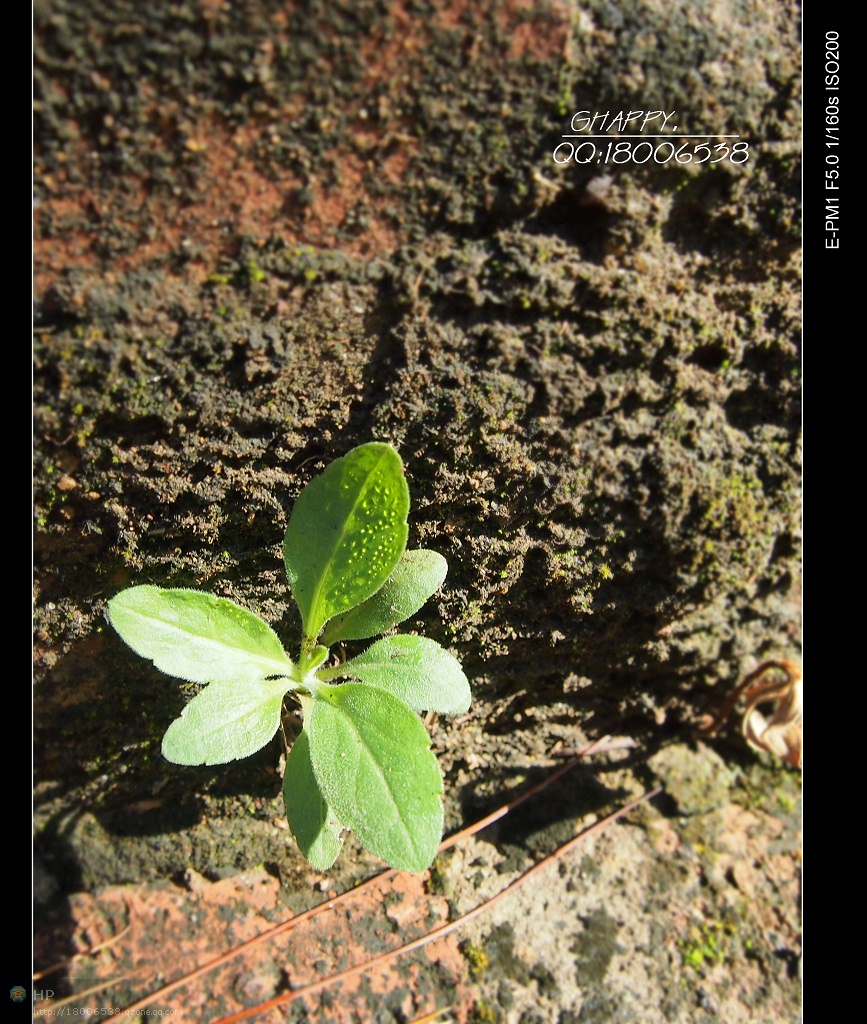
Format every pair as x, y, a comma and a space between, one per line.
363, 759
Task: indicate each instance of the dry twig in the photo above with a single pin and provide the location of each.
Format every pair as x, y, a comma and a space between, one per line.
294, 922
445, 929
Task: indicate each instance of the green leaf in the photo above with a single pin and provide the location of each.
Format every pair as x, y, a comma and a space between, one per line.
197, 636
413, 668
416, 577
225, 722
372, 759
313, 823
346, 533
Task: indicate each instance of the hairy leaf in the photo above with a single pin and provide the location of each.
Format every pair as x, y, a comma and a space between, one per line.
413, 668
313, 823
226, 721
416, 577
372, 759
197, 636
346, 533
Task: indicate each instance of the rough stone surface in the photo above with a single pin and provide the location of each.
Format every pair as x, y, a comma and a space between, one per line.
696, 780
266, 232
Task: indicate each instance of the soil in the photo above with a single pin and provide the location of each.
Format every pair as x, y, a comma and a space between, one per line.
266, 232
